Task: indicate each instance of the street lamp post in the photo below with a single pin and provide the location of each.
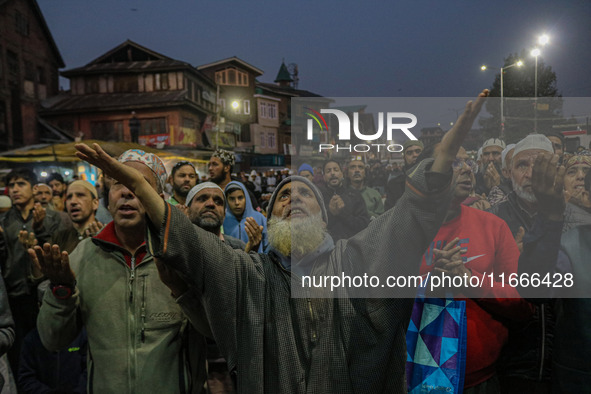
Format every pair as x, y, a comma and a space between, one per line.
535, 53
542, 40
518, 63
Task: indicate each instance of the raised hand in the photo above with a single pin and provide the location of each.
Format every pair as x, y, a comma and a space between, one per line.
336, 204
128, 176
255, 234
38, 215
453, 139
55, 265
548, 186
27, 239
492, 177
93, 228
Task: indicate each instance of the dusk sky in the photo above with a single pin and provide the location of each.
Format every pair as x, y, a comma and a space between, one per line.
403, 48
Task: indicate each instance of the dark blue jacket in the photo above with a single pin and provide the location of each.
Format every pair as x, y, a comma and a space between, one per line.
42, 371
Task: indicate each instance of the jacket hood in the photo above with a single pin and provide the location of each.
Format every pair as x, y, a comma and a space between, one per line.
235, 227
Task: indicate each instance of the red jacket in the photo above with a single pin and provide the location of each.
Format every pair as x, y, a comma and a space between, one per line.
491, 248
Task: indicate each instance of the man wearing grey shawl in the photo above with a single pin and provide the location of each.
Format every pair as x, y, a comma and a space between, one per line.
277, 343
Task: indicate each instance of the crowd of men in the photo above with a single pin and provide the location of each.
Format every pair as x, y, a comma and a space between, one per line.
132, 288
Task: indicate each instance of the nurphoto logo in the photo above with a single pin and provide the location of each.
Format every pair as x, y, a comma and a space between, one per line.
344, 129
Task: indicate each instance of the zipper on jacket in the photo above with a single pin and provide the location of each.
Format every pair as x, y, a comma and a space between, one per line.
131, 278
543, 318
143, 311
313, 325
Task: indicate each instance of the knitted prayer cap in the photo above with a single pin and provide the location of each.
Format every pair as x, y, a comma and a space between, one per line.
297, 178
152, 161
225, 156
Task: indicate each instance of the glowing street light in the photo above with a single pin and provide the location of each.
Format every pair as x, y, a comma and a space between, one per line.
543, 39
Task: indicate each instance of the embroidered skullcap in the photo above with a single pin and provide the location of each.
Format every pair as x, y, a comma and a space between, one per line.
583, 157
225, 156
152, 161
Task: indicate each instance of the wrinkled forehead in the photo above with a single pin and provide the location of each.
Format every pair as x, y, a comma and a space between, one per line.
210, 192
527, 155
296, 187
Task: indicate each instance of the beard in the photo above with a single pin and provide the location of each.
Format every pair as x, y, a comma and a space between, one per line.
309, 232
178, 189
208, 223
521, 193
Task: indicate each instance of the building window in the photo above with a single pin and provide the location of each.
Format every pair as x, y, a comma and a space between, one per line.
231, 76
263, 140
41, 75
271, 140
161, 81
29, 71
246, 106
268, 110
12, 60
22, 24
107, 131
125, 84
272, 110
263, 110
92, 85
153, 126
188, 123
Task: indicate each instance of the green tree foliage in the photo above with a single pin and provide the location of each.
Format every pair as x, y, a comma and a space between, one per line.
519, 101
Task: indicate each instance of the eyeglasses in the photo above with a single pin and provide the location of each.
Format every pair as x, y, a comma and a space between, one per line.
459, 163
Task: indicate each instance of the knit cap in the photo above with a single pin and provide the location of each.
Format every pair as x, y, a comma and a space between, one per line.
294, 178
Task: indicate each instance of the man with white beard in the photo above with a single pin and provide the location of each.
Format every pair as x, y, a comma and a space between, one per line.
521, 205
525, 364
279, 342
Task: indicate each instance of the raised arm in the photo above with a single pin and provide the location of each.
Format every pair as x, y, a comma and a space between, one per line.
129, 177
453, 139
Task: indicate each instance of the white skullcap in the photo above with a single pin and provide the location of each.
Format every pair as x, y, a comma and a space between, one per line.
533, 141
196, 189
504, 154
5, 202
